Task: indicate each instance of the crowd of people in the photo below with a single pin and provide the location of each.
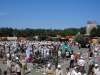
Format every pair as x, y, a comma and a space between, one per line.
48, 55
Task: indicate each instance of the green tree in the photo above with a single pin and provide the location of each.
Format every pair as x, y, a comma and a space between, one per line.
93, 32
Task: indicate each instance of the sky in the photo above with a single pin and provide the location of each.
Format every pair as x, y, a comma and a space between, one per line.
49, 14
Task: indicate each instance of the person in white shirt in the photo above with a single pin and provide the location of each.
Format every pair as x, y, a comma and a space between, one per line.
74, 71
68, 71
8, 55
96, 69
59, 70
18, 69
59, 54
79, 73
81, 62
9, 65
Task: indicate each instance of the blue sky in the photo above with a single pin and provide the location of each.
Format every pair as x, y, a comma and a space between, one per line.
55, 14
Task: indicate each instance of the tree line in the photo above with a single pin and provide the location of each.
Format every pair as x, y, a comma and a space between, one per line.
46, 32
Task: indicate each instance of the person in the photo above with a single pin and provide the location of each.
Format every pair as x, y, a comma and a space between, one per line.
5, 72
24, 65
90, 70
68, 71
9, 65
79, 72
8, 56
67, 54
49, 70
13, 68
72, 61
59, 53
59, 70
0, 71
96, 69
18, 69
74, 71
81, 62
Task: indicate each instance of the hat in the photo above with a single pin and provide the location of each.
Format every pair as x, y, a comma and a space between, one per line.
75, 67
17, 58
48, 65
59, 66
96, 65
81, 57
8, 55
